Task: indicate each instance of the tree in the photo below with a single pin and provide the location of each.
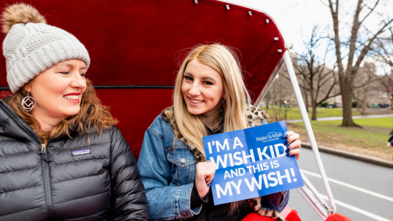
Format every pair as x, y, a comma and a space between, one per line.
387, 86
364, 80
384, 53
315, 78
279, 92
359, 43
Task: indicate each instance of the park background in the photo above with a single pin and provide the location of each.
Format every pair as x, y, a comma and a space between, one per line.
308, 27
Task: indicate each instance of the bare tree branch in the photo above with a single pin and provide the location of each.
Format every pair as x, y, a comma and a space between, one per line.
369, 13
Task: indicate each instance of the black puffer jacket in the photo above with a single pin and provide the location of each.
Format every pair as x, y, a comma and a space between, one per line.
72, 180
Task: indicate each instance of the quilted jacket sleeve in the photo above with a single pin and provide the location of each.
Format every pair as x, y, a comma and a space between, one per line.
128, 199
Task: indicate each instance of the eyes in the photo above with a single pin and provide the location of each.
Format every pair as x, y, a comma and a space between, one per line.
205, 82
67, 73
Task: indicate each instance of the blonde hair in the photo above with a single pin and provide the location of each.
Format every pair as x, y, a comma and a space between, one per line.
224, 61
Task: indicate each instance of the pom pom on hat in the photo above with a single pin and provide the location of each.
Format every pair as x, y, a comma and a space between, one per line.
20, 13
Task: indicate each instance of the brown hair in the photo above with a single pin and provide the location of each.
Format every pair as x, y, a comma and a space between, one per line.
91, 114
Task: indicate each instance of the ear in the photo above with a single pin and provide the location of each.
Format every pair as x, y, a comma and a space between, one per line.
27, 88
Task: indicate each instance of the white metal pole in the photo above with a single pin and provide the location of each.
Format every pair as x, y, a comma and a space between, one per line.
310, 199
307, 124
309, 185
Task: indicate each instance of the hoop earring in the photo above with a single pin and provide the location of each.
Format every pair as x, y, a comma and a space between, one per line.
28, 103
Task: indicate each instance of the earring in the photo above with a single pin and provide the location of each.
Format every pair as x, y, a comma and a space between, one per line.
28, 103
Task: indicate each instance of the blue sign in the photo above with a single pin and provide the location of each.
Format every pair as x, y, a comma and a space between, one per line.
251, 163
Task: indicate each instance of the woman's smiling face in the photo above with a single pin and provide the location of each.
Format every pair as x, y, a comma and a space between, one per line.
202, 89
58, 90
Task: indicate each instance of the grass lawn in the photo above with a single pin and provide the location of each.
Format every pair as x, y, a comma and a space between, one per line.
373, 136
293, 113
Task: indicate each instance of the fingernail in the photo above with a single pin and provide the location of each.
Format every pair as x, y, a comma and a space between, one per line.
286, 142
287, 150
208, 185
288, 154
285, 135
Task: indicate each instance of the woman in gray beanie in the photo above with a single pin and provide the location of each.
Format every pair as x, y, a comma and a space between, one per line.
61, 157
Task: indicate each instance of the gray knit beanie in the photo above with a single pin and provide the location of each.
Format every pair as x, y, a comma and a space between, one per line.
31, 46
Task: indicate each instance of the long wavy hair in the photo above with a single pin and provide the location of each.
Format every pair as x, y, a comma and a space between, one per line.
92, 114
224, 61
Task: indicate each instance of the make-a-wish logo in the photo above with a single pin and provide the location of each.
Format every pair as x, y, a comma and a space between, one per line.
274, 136
270, 137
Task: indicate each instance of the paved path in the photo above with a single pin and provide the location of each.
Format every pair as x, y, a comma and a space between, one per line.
363, 191
340, 118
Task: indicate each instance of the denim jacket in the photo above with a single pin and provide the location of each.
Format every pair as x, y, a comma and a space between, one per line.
168, 170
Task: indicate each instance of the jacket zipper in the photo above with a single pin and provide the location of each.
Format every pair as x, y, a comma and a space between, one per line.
47, 185
44, 162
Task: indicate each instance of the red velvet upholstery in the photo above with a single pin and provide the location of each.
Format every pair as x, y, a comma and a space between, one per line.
135, 109
136, 43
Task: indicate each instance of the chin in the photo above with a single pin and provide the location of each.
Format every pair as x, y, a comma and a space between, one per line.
193, 111
70, 113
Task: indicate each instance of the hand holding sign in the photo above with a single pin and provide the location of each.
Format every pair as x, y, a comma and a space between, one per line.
204, 175
295, 144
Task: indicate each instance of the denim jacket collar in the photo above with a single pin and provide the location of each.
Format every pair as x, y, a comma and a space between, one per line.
254, 117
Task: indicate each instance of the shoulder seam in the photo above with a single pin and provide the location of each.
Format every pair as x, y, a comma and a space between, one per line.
156, 133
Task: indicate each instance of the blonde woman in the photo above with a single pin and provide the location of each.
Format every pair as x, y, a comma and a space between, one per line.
209, 98
61, 157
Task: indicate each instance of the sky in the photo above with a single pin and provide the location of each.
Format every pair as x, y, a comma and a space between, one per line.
296, 18
293, 18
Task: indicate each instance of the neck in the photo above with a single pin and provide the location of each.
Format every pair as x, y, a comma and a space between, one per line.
47, 123
211, 119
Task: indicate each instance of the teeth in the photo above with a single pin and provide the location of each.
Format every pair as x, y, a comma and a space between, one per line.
195, 101
72, 97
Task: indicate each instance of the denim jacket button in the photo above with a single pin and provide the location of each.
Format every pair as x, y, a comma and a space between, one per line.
182, 160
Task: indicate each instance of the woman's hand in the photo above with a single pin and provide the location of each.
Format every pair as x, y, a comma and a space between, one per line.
295, 144
204, 176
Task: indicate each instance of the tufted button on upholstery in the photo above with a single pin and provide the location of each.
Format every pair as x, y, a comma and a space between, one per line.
182, 160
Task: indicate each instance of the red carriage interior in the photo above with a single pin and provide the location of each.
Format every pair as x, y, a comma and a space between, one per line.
134, 46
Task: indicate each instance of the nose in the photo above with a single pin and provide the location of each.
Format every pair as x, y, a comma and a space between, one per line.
78, 82
194, 90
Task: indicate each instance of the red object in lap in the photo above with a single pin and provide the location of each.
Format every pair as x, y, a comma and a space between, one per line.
337, 217
134, 45
256, 217
292, 216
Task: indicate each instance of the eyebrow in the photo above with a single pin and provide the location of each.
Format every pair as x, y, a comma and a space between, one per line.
204, 78
188, 73
209, 78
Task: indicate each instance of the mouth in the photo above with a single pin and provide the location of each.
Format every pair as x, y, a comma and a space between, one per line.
73, 97
195, 101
